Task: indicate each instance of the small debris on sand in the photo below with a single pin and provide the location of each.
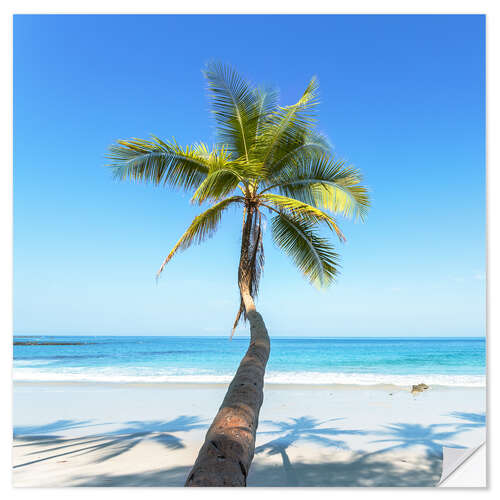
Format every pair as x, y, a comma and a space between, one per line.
418, 388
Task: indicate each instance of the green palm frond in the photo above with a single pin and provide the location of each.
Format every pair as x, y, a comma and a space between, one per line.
267, 103
217, 184
159, 162
287, 127
224, 176
235, 105
300, 210
308, 145
313, 255
202, 227
322, 181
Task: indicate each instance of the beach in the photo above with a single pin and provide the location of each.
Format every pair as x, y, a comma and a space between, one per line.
149, 434
134, 411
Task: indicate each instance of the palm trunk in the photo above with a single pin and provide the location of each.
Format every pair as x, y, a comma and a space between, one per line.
227, 453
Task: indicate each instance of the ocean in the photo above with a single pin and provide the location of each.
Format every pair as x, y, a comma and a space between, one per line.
357, 361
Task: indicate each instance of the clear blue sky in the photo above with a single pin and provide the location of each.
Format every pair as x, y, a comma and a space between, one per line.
402, 98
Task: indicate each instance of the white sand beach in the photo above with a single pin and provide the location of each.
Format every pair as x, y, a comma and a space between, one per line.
76, 434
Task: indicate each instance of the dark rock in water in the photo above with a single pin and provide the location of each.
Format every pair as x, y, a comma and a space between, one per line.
419, 388
34, 342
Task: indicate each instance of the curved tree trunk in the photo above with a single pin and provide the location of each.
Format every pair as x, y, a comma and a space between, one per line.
226, 455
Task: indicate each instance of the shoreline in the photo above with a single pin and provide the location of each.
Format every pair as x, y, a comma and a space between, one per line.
218, 385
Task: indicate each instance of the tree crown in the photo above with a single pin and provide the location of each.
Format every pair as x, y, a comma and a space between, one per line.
268, 158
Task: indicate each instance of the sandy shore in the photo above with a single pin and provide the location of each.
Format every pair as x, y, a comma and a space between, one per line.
148, 435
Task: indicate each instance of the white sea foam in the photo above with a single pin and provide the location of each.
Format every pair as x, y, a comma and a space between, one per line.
31, 362
309, 378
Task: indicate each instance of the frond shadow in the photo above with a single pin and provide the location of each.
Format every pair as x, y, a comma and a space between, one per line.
302, 429
431, 437
469, 420
106, 446
50, 429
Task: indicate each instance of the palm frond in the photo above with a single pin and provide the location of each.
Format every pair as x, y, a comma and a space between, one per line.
235, 105
224, 176
267, 103
307, 145
159, 162
300, 210
313, 255
217, 185
287, 127
202, 227
322, 181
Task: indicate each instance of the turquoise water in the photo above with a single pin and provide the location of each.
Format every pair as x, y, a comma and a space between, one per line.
401, 361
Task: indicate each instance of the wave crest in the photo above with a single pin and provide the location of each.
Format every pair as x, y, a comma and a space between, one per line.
272, 377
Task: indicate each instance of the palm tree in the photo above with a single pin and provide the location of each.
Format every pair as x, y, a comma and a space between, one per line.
269, 159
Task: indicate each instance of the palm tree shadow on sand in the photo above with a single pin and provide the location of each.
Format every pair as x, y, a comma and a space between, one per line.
47, 431
431, 437
377, 468
351, 468
301, 429
469, 420
102, 446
